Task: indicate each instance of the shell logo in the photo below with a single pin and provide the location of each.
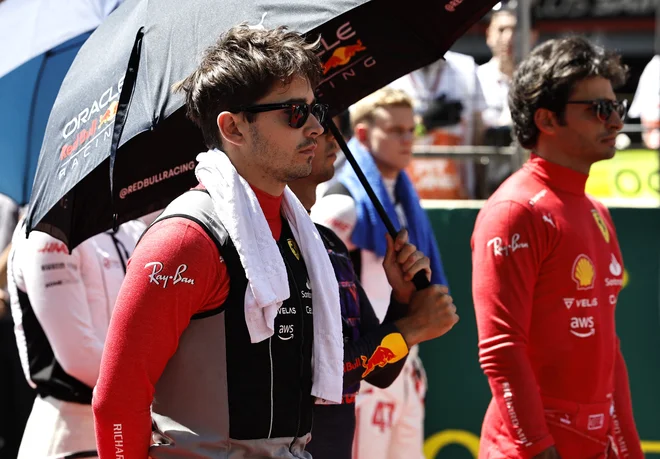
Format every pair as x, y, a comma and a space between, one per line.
584, 273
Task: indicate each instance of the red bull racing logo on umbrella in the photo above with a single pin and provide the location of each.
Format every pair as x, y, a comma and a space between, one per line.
342, 56
391, 349
86, 130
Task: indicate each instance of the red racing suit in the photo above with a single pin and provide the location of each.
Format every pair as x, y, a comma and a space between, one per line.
547, 275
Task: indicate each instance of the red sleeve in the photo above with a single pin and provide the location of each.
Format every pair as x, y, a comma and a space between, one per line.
506, 256
624, 430
174, 273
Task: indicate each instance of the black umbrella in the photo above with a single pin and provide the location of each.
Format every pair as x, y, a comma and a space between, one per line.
118, 145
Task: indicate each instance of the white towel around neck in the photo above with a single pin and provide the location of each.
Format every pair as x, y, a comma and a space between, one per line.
268, 286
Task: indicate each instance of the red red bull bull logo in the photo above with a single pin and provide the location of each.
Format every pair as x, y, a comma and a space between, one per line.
391, 349
342, 56
83, 136
109, 114
88, 124
381, 357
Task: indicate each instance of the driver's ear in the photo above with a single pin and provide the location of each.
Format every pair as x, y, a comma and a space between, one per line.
231, 127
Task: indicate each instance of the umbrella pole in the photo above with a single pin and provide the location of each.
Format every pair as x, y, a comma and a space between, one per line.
130, 78
420, 280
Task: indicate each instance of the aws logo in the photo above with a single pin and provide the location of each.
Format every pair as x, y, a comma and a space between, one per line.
584, 272
583, 327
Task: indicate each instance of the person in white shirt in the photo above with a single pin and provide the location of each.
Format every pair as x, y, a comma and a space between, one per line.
448, 98
646, 103
495, 77
61, 304
16, 397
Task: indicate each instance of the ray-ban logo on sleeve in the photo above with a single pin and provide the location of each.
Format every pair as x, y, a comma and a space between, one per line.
157, 278
501, 248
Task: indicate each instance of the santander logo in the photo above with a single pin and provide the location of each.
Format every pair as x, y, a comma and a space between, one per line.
615, 267
615, 270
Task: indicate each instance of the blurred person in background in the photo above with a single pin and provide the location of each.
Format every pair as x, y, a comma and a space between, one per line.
411, 317
448, 101
389, 421
646, 104
61, 305
495, 78
8, 220
495, 75
548, 270
343, 123
16, 396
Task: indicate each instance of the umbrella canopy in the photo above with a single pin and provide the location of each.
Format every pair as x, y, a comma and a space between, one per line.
29, 28
118, 145
27, 94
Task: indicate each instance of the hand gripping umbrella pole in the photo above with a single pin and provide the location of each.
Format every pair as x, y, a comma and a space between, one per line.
420, 280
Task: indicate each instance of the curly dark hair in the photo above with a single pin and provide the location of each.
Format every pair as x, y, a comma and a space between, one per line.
546, 78
242, 67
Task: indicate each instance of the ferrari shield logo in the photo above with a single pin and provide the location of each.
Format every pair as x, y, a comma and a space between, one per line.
601, 225
294, 248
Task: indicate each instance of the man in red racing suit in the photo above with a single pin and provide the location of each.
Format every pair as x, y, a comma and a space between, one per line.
548, 270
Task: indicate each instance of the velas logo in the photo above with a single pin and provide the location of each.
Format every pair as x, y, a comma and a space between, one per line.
343, 54
584, 272
601, 225
581, 302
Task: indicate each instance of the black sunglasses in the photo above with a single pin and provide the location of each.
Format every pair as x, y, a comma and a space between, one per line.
298, 113
603, 108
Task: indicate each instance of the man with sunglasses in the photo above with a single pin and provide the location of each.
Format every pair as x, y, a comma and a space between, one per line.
227, 328
390, 420
547, 269
411, 317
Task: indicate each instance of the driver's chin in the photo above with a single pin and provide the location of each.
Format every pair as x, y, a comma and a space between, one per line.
609, 154
322, 176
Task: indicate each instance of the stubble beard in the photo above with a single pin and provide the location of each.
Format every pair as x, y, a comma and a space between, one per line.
281, 172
